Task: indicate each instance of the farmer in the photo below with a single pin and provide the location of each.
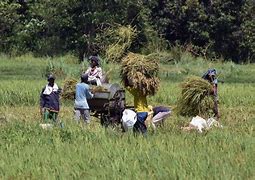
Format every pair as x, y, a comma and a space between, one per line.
94, 72
210, 76
82, 93
158, 116
49, 100
141, 108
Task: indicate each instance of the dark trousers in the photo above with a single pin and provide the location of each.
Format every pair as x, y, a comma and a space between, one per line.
139, 126
49, 115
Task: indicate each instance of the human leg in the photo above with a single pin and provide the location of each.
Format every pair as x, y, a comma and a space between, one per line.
77, 115
53, 116
85, 114
46, 115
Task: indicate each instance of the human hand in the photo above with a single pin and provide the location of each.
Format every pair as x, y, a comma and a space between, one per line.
92, 90
59, 90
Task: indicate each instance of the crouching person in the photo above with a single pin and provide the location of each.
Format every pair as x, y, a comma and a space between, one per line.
82, 93
49, 100
158, 116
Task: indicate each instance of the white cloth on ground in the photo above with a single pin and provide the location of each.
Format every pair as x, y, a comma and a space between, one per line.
200, 123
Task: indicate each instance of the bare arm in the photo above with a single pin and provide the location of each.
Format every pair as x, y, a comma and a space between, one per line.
100, 73
88, 70
89, 95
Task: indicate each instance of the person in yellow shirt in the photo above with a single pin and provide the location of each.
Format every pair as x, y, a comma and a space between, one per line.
141, 108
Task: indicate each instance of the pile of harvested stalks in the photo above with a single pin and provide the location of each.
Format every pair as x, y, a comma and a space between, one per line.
195, 98
69, 89
141, 73
97, 89
123, 38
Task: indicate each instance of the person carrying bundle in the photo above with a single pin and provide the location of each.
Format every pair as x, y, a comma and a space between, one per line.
141, 108
211, 77
139, 76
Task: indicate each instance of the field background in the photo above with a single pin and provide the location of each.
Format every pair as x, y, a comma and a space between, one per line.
28, 152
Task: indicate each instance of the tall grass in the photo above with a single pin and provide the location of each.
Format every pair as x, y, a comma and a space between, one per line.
30, 152
74, 152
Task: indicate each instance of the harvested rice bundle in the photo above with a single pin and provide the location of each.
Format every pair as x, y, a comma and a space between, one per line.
98, 89
140, 73
69, 89
195, 98
123, 37
115, 52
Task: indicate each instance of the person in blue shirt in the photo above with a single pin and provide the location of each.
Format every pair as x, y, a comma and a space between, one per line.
82, 93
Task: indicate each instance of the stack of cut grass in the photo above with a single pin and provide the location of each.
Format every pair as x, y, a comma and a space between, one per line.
69, 89
70, 85
141, 73
123, 38
195, 98
98, 89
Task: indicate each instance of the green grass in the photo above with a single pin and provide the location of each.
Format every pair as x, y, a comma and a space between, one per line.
78, 153
74, 152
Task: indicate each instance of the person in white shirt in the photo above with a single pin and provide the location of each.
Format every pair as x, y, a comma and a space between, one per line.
94, 72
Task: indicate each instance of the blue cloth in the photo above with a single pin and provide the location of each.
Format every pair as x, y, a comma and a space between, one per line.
139, 126
141, 116
81, 96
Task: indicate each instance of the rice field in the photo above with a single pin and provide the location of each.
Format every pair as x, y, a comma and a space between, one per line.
75, 152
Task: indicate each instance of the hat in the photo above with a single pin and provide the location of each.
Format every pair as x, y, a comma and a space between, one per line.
94, 58
212, 72
51, 76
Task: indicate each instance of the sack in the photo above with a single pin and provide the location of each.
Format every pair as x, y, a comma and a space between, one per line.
199, 123
128, 119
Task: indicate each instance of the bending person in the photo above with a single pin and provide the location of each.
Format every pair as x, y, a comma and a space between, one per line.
160, 113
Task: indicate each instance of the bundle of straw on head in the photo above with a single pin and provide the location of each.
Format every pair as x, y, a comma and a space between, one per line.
140, 73
195, 98
69, 89
123, 37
